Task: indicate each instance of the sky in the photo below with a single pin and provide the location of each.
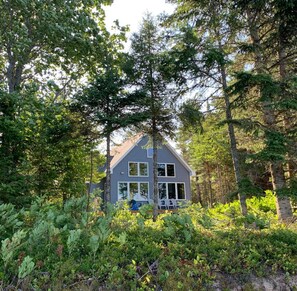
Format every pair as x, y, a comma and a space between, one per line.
131, 12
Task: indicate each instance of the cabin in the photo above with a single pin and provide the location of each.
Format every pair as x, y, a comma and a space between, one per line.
132, 173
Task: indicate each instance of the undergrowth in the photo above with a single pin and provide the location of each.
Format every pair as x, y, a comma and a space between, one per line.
63, 247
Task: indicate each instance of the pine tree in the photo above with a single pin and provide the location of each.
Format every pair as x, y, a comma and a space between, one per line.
148, 55
106, 104
204, 52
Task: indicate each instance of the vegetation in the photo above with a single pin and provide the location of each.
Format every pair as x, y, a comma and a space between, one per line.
219, 75
64, 247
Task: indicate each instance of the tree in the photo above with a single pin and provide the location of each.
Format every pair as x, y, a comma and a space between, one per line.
44, 151
273, 45
203, 50
35, 37
147, 56
14, 182
206, 148
106, 103
46, 49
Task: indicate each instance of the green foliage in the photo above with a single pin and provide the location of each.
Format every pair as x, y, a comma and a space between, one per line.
10, 220
14, 186
128, 250
44, 52
26, 267
191, 116
151, 76
213, 56
9, 247
41, 36
73, 240
42, 147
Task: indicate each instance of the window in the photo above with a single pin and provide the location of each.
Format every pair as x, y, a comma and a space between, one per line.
123, 191
138, 169
143, 169
161, 170
166, 170
149, 152
133, 190
133, 169
162, 190
170, 170
144, 190
172, 191
181, 191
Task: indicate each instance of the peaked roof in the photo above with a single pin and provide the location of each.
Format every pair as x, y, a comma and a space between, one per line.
119, 152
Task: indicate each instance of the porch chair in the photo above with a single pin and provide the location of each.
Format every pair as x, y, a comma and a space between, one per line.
172, 204
162, 204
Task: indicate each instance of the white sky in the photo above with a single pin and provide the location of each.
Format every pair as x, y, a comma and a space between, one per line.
132, 11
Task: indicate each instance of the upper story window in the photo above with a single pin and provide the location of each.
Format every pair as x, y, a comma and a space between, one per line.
166, 170
149, 152
138, 169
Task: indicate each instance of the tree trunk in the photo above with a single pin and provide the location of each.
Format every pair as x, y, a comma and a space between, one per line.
220, 184
209, 185
108, 173
288, 114
155, 173
233, 144
283, 204
90, 183
198, 190
64, 197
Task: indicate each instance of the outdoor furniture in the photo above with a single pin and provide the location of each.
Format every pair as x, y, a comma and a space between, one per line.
172, 204
162, 204
167, 204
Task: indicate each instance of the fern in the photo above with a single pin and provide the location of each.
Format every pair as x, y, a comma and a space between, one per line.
73, 239
26, 267
9, 220
10, 246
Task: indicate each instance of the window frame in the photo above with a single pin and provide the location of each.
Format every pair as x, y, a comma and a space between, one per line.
138, 169
129, 189
166, 170
176, 190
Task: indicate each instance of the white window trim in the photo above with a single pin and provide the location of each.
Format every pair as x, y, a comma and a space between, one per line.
138, 169
128, 194
166, 183
166, 170
128, 189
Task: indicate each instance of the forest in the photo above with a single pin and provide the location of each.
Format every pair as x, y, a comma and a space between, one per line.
217, 77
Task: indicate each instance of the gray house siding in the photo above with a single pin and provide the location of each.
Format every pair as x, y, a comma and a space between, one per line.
138, 153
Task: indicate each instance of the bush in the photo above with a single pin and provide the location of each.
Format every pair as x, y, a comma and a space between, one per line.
55, 246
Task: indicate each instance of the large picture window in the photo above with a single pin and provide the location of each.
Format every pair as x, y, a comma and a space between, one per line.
138, 169
166, 170
172, 191
133, 190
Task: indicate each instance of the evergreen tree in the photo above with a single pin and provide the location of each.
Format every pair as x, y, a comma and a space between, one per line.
272, 42
106, 104
203, 51
149, 76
